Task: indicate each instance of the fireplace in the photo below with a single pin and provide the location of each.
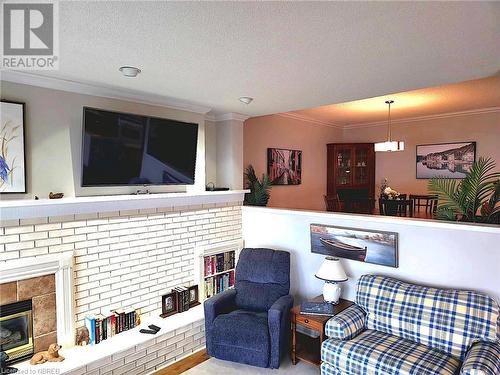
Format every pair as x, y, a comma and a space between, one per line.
16, 330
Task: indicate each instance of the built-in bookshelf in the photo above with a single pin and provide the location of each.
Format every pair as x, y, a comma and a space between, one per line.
218, 269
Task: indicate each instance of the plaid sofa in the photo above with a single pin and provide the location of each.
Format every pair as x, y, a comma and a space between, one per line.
401, 328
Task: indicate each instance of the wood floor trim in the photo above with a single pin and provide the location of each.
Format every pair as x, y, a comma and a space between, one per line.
184, 364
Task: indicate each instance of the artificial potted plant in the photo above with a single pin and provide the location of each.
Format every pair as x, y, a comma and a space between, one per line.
259, 190
474, 199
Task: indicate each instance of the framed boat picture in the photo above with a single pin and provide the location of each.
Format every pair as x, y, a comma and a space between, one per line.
376, 247
12, 148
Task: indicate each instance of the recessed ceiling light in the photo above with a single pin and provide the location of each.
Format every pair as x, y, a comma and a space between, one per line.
246, 99
130, 71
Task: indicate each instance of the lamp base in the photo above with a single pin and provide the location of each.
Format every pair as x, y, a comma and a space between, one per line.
331, 292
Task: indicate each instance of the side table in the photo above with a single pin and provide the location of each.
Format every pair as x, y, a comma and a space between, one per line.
307, 348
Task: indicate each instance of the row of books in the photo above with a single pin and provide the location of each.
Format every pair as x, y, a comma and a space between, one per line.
217, 284
103, 327
219, 263
182, 295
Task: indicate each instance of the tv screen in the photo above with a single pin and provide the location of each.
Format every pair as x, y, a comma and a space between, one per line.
127, 149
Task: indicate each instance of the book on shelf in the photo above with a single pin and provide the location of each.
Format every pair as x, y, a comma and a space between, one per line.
218, 263
102, 327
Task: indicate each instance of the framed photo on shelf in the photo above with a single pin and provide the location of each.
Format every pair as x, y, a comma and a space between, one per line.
193, 296
12, 150
168, 304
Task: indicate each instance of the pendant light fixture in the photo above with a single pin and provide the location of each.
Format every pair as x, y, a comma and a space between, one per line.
389, 145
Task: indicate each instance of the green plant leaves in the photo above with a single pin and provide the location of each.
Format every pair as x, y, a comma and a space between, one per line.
479, 192
259, 190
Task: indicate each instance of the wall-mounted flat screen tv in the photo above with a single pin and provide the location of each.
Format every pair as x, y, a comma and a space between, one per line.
126, 149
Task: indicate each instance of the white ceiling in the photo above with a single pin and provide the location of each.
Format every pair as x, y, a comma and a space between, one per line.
287, 55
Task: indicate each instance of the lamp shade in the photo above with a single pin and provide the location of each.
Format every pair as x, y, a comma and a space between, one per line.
331, 270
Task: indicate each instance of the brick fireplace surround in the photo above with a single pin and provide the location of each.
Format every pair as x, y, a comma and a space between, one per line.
125, 258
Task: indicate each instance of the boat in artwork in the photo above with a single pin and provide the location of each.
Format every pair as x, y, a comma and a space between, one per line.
344, 250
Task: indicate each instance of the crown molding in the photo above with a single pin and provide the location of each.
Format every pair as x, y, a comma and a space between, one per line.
101, 91
311, 120
425, 118
226, 117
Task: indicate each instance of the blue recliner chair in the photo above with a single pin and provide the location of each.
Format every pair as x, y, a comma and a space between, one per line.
251, 323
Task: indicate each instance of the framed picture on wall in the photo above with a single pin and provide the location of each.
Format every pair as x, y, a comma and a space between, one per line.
284, 167
369, 246
12, 148
448, 160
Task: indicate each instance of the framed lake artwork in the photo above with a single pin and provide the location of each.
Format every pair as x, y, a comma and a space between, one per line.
284, 167
369, 246
447, 160
12, 148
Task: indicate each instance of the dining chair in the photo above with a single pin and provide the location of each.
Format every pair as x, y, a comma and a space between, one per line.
332, 203
429, 202
396, 207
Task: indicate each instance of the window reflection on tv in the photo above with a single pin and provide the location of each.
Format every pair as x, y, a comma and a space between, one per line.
127, 149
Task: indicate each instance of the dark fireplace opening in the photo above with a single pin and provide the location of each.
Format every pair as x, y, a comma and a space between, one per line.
16, 330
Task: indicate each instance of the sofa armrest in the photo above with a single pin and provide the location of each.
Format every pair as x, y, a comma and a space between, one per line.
218, 304
347, 324
278, 320
483, 358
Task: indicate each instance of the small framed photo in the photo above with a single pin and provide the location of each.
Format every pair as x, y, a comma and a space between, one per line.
193, 296
168, 305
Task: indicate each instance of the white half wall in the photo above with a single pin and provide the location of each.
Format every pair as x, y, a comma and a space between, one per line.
432, 253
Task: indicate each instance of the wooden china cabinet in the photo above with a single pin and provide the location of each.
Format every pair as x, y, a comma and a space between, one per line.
351, 175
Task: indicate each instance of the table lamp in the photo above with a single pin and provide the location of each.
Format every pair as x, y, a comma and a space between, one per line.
331, 272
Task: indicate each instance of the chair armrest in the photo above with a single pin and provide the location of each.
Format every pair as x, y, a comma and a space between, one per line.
347, 324
278, 320
483, 358
218, 304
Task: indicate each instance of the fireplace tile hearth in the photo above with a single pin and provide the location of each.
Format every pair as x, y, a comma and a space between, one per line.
8, 293
42, 342
36, 286
41, 293
44, 314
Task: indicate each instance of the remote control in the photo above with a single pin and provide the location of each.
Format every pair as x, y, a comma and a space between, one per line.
148, 331
154, 328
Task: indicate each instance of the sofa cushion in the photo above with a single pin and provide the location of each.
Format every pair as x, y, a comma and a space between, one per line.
241, 336
378, 353
446, 320
262, 276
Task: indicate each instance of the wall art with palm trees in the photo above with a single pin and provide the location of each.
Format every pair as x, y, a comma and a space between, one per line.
12, 156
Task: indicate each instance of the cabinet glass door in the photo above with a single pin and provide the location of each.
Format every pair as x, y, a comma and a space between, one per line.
344, 166
361, 166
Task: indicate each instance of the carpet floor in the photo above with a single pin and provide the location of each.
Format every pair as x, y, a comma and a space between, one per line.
216, 366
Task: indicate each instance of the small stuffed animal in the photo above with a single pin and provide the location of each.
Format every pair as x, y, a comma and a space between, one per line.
82, 336
51, 355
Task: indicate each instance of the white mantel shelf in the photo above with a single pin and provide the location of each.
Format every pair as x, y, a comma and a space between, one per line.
24, 208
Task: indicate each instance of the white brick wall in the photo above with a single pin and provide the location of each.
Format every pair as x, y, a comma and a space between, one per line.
128, 258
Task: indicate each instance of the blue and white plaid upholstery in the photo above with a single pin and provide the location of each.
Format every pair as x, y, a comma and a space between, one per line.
446, 320
482, 359
327, 369
378, 353
347, 324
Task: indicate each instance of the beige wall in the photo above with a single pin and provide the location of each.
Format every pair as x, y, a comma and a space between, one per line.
53, 139
282, 132
399, 168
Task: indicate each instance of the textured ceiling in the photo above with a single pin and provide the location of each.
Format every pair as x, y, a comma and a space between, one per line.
464, 96
287, 55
